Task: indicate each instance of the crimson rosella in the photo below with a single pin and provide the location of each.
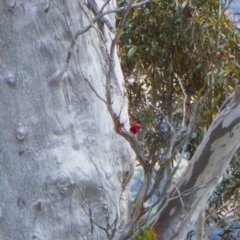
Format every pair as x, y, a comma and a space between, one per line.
134, 129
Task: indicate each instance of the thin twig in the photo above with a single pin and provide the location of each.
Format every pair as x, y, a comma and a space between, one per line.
164, 203
166, 118
101, 14
94, 90
91, 23
187, 192
94, 20
121, 26
184, 103
179, 195
104, 5
192, 123
229, 218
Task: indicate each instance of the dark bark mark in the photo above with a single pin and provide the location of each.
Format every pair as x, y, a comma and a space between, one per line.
203, 160
11, 4
198, 168
48, 6
11, 80
21, 203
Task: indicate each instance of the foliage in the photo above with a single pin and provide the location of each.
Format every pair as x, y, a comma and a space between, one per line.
224, 205
174, 53
146, 234
170, 51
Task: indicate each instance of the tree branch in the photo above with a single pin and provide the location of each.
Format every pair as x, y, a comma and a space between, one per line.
184, 103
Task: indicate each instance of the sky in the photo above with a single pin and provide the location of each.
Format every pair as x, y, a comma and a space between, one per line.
235, 6
234, 12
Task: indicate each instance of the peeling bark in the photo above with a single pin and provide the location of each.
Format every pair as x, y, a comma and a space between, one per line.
201, 176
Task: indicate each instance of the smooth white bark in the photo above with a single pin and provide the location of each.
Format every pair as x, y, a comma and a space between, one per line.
63, 169
200, 225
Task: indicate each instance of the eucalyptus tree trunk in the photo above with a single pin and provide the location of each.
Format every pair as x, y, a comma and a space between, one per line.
180, 207
63, 169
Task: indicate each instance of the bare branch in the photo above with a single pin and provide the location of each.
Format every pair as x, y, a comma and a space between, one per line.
121, 9
226, 218
157, 181
94, 20
104, 5
91, 23
138, 210
179, 195
170, 152
135, 146
183, 141
166, 118
164, 203
94, 90
121, 26
184, 103
190, 191
101, 14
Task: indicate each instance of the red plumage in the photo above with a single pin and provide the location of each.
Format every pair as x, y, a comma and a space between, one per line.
134, 129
